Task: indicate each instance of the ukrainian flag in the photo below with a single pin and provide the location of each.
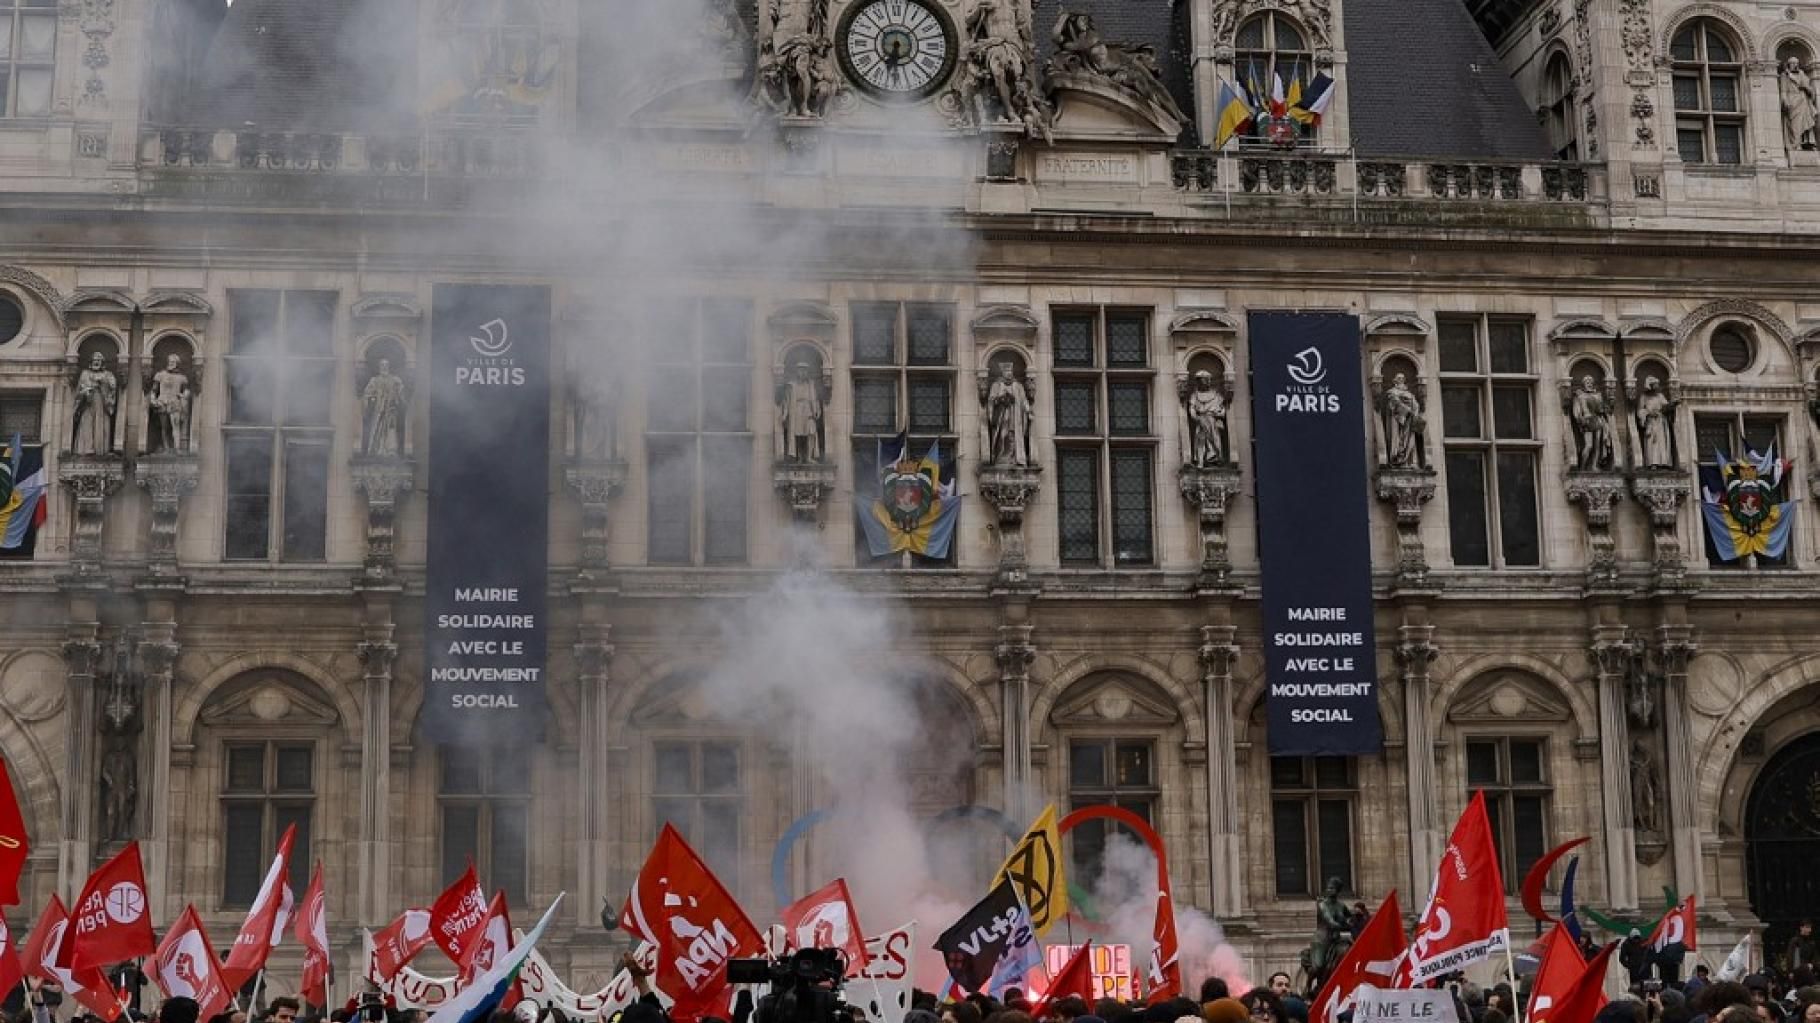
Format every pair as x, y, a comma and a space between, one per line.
1235, 115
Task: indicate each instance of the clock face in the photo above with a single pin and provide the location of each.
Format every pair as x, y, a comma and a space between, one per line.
896, 49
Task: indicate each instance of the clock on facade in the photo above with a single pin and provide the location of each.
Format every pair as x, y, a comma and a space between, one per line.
896, 49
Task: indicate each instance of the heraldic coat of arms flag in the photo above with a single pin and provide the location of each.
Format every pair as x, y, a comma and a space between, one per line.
1747, 505
915, 510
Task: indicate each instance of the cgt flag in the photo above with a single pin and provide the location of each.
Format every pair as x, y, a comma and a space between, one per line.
1676, 928
490, 944
1034, 869
265, 923
399, 943
313, 934
458, 914
826, 919
185, 965
1562, 965
1373, 959
14, 847
110, 922
973, 946
1464, 921
679, 905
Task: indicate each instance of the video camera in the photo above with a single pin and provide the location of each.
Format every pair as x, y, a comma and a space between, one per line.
805, 986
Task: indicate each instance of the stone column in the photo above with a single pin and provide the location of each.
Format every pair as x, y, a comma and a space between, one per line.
1663, 492
595, 482
1225, 839
1408, 491
168, 478
158, 650
1416, 651
1612, 655
593, 661
378, 654
383, 480
81, 657
1209, 490
92, 479
1015, 654
1009, 488
1676, 646
1597, 493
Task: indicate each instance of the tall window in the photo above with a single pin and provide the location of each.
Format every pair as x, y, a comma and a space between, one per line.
1488, 426
696, 788
281, 377
485, 797
1709, 109
1737, 436
1117, 772
1269, 45
903, 381
1558, 108
698, 437
1311, 805
22, 416
1513, 774
1105, 451
269, 786
28, 44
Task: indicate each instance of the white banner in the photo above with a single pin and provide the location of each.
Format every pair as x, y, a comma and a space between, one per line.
414, 990
1377, 1005
883, 987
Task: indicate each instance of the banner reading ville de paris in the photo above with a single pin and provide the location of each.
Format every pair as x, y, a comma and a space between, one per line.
1314, 535
488, 556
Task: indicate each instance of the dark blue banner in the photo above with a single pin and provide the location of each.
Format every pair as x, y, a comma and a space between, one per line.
488, 561
1314, 534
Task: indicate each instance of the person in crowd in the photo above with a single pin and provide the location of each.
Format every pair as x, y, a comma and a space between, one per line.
1225, 1009
284, 1009
1212, 990
1261, 1006
178, 1009
1494, 1016
1703, 975
1635, 956
1803, 950
1279, 983
961, 1012
1357, 919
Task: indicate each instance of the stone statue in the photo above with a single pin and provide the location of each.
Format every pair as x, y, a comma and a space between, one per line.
1332, 934
796, 71
1656, 425
1080, 50
97, 399
1795, 87
799, 415
1008, 413
995, 80
120, 725
382, 413
170, 397
1206, 422
592, 416
1591, 415
1405, 444
1645, 789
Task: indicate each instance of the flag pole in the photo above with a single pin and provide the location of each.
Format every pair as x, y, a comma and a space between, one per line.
1510, 962
258, 982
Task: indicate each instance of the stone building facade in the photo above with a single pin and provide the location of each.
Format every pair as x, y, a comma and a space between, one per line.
217, 631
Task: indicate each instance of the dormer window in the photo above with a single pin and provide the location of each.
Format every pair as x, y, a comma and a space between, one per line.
1709, 105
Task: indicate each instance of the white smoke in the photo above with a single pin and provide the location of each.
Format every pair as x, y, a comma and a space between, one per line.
1125, 895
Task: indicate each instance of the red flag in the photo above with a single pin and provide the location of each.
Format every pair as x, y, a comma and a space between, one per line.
12, 971
679, 905
489, 943
826, 919
313, 934
87, 985
1373, 959
1677, 928
32, 955
1561, 967
14, 847
1581, 1002
266, 922
1165, 975
1076, 978
399, 943
1464, 921
457, 915
110, 922
186, 965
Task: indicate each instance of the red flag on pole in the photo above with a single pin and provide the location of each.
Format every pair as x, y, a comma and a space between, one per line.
1581, 1002
88, 985
1165, 974
14, 847
313, 934
1373, 959
186, 965
265, 923
457, 915
825, 918
1677, 928
490, 942
1559, 971
399, 943
32, 955
110, 922
1076, 978
679, 905
1464, 921
12, 971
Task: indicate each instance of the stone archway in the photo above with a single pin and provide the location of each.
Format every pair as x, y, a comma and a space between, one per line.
1782, 841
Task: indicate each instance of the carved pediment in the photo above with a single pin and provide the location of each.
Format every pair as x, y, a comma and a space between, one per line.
1090, 108
1581, 328
814, 319
268, 701
27, 281
1203, 321
674, 702
1007, 321
100, 302
387, 307
1503, 698
177, 303
1646, 328
1114, 699
1406, 325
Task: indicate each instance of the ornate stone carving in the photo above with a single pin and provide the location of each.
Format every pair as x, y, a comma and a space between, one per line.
995, 83
1654, 406
170, 398
1014, 653
1645, 791
377, 658
1009, 488
1662, 493
797, 73
1205, 402
595, 481
1008, 411
382, 481
1401, 420
1218, 653
1589, 416
92, 479
1549, 20
1315, 15
97, 28
97, 402
1597, 493
803, 485
1132, 69
801, 416
121, 722
383, 403
168, 478
1209, 490
1408, 490
1643, 112
1795, 89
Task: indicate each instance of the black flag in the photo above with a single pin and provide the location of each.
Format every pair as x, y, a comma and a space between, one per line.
972, 947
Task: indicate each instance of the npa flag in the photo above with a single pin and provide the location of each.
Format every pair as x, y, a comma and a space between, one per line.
1676, 928
490, 944
399, 943
1075, 979
1464, 921
87, 985
110, 922
266, 921
12, 971
1034, 869
1235, 115
1164, 978
313, 934
186, 967
457, 915
477, 1001
679, 905
13, 845
827, 919
976, 942
1581, 1002
1373, 959
1562, 965
22, 485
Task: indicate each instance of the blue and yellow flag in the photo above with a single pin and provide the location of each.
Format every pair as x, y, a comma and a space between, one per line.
1235, 115
914, 511
22, 484
1747, 506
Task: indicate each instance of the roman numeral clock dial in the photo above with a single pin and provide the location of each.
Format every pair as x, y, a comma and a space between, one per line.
896, 49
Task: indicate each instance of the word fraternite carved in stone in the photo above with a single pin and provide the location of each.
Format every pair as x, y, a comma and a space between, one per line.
1079, 50
797, 72
996, 81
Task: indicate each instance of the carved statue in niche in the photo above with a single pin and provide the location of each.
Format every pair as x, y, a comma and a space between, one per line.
1590, 411
1645, 789
591, 413
1008, 414
120, 726
1405, 428
796, 72
170, 396
1656, 424
995, 83
382, 404
1206, 405
800, 415
97, 399
1132, 68
1795, 87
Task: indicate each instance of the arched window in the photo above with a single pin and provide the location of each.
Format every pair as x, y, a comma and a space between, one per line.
1558, 108
1709, 105
484, 794
1267, 46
